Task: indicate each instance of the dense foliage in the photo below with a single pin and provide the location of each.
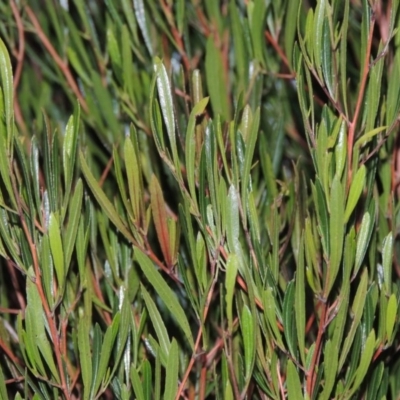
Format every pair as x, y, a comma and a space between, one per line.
199, 199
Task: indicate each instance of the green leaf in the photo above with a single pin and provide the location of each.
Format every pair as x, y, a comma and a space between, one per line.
365, 362
37, 331
165, 293
113, 48
391, 315
230, 281
158, 324
160, 219
356, 188
326, 61
293, 382
341, 149
167, 107
172, 370
249, 340
256, 11
241, 54
6, 83
322, 215
75, 210
106, 349
69, 151
343, 55
330, 369
85, 355
142, 22
336, 233
102, 199
300, 303
290, 29
6, 107
3, 389
104, 102
250, 146
57, 250
270, 306
137, 384
375, 382
190, 146
135, 183
363, 238
96, 351
232, 223
369, 135
387, 261
216, 80
289, 320
318, 36
357, 311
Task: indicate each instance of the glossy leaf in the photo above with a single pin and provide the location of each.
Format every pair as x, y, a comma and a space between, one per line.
166, 104
387, 255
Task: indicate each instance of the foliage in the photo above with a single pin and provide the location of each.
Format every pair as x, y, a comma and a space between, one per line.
199, 199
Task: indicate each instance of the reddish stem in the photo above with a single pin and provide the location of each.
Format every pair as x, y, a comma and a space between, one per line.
58, 60
360, 98
312, 372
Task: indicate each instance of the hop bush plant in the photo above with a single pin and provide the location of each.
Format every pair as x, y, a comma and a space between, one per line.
199, 199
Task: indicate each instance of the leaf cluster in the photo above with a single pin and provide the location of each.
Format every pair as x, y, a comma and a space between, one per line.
199, 199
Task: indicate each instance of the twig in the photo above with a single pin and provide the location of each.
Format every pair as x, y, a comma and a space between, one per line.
360, 98
312, 371
60, 62
199, 335
48, 312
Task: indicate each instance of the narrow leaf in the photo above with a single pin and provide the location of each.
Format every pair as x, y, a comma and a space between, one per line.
293, 382
165, 293
249, 339
156, 319
160, 218
356, 188
172, 370
230, 281
57, 250
103, 200
336, 233
387, 256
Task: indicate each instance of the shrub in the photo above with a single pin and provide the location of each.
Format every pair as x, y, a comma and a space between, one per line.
199, 199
